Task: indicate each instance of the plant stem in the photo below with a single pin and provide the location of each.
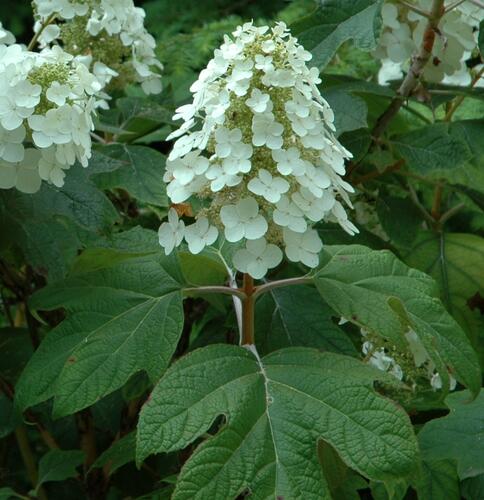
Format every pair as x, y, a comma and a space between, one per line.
28, 459
36, 37
412, 78
237, 292
414, 8
437, 203
248, 310
460, 99
87, 437
278, 284
454, 5
450, 213
376, 173
414, 198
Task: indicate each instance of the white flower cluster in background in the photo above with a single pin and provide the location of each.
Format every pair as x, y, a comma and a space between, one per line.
257, 147
110, 32
402, 35
47, 101
409, 367
6, 38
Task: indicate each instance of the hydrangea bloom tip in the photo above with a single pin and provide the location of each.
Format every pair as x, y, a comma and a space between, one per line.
257, 148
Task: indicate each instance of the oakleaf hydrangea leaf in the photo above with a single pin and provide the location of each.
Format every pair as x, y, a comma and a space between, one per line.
121, 320
457, 436
337, 21
58, 465
377, 292
276, 410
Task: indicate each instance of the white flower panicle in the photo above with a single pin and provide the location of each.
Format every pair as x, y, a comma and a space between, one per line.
257, 147
403, 31
6, 38
47, 102
110, 32
413, 366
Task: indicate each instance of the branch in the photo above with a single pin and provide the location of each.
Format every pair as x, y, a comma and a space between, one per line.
414, 8
44, 25
29, 459
414, 198
376, 173
460, 99
237, 292
412, 78
450, 213
281, 283
248, 311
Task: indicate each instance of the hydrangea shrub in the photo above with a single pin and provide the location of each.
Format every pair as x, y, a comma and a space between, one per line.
278, 292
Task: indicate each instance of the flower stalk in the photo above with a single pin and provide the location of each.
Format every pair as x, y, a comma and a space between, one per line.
248, 311
412, 78
38, 34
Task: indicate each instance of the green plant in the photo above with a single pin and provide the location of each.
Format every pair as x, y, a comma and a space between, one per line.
128, 373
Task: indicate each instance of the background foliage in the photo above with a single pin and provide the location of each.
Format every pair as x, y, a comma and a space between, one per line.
93, 314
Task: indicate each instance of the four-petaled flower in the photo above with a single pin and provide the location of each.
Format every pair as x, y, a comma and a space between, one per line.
243, 220
171, 233
226, 139
271, 188
200, 234
258, 101
303, 247
257, 258
267, 131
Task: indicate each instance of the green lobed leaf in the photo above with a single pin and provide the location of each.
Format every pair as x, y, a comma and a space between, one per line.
389, 209
343, 482
106, 250
137, 169
121, 319
438, 480
456, 261
473, 487
10, 418
432, 148
471, 172
357, 142
389, 490
276, 410
140, 116
297, 316
45, 225
15, 350
335, 22
58, 465
459, 436
8, 493
119, 454
376, 291
350, 111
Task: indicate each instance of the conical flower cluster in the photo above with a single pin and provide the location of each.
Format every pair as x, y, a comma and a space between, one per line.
413, 366
257, 149
403, 31
110, 32
47, 102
